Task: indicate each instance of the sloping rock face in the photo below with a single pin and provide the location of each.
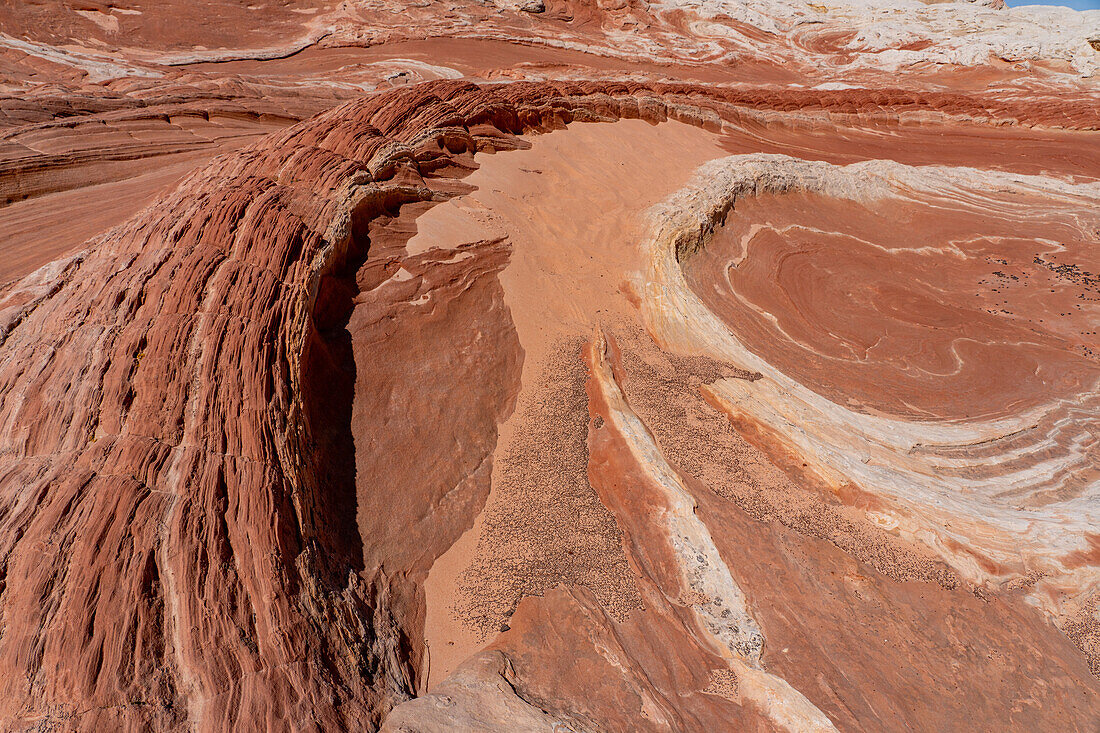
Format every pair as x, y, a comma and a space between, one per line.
551, 366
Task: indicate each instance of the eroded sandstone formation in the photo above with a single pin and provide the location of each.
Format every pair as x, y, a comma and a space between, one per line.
548, 366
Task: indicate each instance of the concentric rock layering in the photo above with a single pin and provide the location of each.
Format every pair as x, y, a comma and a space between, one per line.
696, 368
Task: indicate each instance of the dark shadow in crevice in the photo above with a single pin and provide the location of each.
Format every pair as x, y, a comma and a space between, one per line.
328, 392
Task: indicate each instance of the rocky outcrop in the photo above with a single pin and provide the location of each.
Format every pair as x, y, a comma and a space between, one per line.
446, 408
183, 430
179, 476
1008, 473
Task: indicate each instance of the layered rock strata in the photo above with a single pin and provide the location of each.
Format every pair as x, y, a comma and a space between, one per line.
223, 485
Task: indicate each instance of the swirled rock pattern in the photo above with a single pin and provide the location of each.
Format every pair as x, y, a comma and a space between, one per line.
678, 366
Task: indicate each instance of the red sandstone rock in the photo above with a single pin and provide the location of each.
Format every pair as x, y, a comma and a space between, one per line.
340, 392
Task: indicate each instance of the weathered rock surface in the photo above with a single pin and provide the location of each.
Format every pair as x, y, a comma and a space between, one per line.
700, 367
